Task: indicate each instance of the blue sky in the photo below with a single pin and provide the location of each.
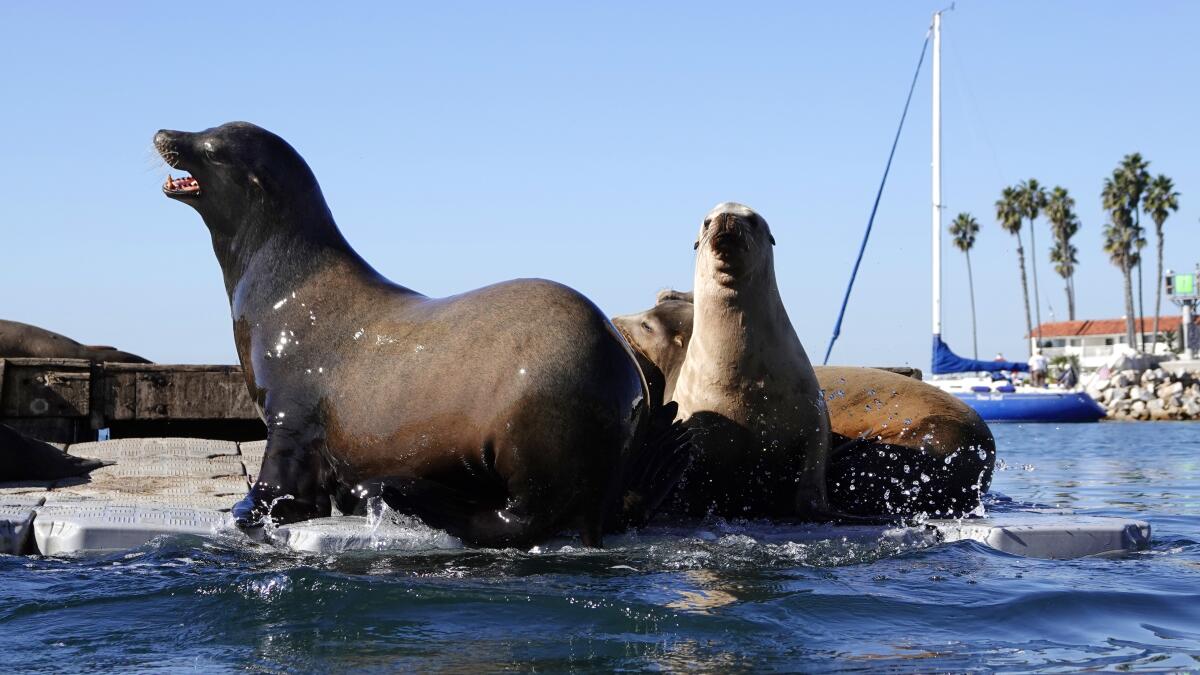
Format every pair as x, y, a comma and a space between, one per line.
461, 144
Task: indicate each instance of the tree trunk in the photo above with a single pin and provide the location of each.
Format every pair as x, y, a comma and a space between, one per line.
1070, 300
1158, 288
1025, 292
1141, 314
1137, 226
1127, 273
971, 288
1071, 296
1037, 298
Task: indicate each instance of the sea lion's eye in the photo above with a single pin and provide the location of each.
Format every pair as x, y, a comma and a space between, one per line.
706, 222
646, 327
211, 152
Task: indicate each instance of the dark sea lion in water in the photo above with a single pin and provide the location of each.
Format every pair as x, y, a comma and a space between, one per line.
502, 415
905, 446
25, 458
745, 386
24, 340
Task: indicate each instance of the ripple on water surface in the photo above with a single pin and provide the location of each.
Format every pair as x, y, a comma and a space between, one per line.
735, 597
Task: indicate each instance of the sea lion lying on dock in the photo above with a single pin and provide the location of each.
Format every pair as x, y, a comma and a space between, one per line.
502, 415
22, 340
24, 458
745, 386
889, 431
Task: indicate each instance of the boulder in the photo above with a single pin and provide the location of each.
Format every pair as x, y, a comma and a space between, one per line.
1118, 394
1138, 407
1191, 408
1140, 393
1169, 389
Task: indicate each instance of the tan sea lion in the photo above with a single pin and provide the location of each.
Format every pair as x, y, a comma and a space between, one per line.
904, 445
502, 415
746, 387
659, 337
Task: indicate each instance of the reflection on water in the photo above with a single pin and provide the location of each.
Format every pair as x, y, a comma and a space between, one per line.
707, 596
728, 597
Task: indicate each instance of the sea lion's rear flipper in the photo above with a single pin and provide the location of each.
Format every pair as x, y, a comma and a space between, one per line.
446, 508
653, 470
25, 458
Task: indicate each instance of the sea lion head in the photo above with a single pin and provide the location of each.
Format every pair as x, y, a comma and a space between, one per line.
240, 175
662, 330
659, 337
734, 242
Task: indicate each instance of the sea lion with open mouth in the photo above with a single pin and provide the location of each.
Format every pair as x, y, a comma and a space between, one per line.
745, 386
502, 415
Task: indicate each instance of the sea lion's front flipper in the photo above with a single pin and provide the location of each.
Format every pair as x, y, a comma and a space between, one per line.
653, 470
289, 486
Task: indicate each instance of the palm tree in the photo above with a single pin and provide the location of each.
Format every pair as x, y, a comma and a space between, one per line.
1031, 198
1120, 240
1009, 214
963, 230
1060, 211
1159, 201
1134, 169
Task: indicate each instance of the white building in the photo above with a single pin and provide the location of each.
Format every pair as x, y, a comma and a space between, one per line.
1095, 340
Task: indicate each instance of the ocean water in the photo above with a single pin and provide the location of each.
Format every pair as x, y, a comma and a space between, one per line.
731, 598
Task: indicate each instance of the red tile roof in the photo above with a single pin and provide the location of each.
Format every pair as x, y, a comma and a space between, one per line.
1106, 326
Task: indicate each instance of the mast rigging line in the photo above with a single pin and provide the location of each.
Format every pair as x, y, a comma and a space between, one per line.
837, 326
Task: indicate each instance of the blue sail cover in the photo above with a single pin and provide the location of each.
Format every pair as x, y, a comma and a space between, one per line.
946, 361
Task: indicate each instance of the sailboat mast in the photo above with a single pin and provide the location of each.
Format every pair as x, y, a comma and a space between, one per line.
937, 173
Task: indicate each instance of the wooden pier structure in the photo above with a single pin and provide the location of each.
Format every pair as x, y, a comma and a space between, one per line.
72, 400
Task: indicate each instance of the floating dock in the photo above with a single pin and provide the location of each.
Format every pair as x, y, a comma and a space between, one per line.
185, 486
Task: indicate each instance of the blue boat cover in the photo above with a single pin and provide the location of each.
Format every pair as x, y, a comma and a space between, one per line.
946, 361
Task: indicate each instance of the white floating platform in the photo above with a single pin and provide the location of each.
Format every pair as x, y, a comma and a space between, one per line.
86, 526
251, 454
1058, 535
144, 448
181, 486
357, 533
16, 522
167, 467
1034, 535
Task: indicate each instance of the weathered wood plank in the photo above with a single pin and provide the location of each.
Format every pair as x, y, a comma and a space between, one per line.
191, 395
67, 396
58, 389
